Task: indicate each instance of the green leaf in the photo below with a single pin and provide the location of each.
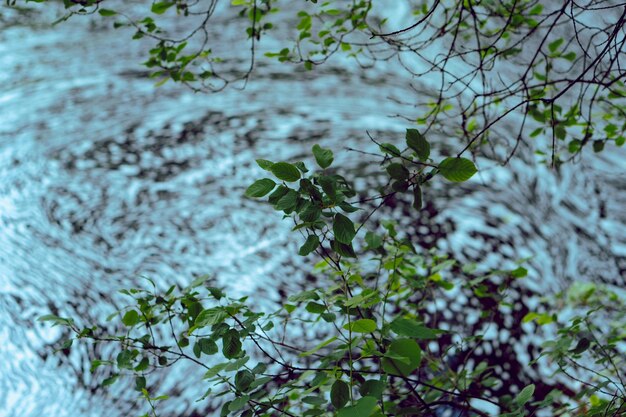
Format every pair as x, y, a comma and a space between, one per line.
311, 243
260, 188
411, 328
457, 169
210, 317
208, 346
362, 408
417, 197
288, 201
339, 394
161, 7
519, 272
554, 45
238, 403
231, 344
598, 146
264, 164
398, 171
130, 318
243, 380
285, 171
404, 356
525, 395
390, 149
582, 345
107, 12
56, 320
361, 326
416, 141
373, 240
124, 359
323, 157
372, 388
343, 249
343, 228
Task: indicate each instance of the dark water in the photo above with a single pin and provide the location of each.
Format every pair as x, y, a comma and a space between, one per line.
104, 179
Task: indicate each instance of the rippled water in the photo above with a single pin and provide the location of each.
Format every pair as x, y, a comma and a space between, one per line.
104, 178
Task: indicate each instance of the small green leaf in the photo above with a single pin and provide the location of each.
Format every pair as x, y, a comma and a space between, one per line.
210, 317
260, 188
107, 12
208, 346
416, 141
161, 7
582, 345
525, 395
362, 408
311, 243
398, 171
231, 344
373, 240
238, 403
339, 394
457, 169
414, 329
130, 318
264, 164
288, 201
243, 379
323, 157
554, 45
390, 149
285, 171
598, 146
361, 326
372, 388
417, 197
343, 228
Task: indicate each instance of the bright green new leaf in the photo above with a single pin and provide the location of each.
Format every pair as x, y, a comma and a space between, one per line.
362, 408
361, 326
323, 157
339, 394
554, 45
416, 141
285, 171
260, 188
311, 243
457, 169
161, 7
343, 228
107, 12
130, 318
525, 395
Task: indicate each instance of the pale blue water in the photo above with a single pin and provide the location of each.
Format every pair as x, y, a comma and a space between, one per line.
104, 178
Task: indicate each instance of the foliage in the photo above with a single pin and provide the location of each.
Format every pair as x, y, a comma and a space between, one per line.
484, 64
383, 351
